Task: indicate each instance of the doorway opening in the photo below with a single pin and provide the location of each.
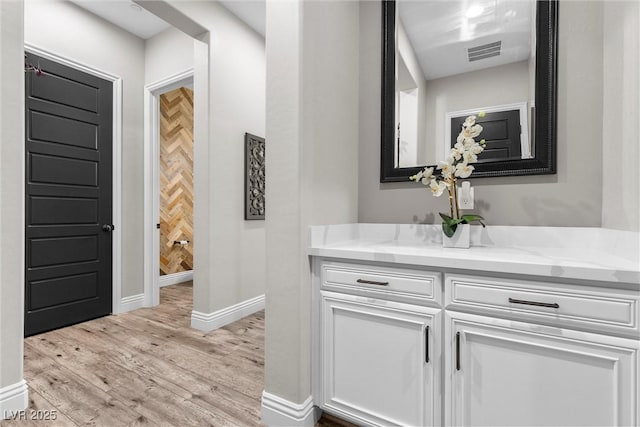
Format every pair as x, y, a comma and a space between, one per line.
176, 186
172, 139
170, 131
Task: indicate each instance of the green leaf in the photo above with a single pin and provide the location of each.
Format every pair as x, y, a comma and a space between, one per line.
468, 219
449, 229
449, 220
445, 217
449, 224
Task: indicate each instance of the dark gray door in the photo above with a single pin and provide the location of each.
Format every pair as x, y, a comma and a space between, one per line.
68, 196
501, 131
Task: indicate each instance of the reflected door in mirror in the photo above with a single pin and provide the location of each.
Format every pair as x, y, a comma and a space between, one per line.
504, 133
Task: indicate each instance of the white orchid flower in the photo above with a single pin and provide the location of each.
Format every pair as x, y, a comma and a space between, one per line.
472, 132
468, 142
470, 121
447, 167
463, 170
437, 188
476, 149
467, 133
458, 163
422, 176
469, 157
433, 185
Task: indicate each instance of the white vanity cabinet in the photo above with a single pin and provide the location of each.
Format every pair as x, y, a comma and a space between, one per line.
503, 372
407, 346
380, 358
528, 327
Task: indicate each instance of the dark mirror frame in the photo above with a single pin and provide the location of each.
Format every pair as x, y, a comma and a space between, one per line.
544, 126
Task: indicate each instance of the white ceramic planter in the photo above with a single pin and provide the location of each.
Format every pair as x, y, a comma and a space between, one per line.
460, 239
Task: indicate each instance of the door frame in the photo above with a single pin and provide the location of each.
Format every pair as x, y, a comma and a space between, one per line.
116, 248
152, 94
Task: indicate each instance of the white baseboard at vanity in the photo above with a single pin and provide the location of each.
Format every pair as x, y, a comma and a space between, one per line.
13, 399
175, 278
210, 321
277, 412
130, 303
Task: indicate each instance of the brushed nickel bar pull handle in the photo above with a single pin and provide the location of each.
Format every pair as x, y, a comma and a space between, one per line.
371, 282
426, 344
457, 351
537, 304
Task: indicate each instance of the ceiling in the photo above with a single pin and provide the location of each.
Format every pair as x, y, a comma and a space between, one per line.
252, 12
136, 20
441, 33
127, 15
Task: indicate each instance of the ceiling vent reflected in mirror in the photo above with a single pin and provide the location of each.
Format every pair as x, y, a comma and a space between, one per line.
444, 33
485, 51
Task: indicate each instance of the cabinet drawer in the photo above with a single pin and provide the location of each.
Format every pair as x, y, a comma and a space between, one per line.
382, 282
593, 308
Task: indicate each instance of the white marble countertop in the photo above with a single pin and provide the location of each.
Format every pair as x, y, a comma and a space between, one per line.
556, 252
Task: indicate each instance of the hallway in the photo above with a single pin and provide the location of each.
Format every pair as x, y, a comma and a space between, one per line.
148, 367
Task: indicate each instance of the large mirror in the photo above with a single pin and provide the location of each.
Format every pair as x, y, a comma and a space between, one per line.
443, 60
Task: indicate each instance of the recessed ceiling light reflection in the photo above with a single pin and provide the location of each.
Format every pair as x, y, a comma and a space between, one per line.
474, 11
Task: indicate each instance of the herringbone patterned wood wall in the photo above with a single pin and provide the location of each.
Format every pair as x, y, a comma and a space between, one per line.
176, 180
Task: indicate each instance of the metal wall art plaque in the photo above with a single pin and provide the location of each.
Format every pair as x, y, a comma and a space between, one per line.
254, 177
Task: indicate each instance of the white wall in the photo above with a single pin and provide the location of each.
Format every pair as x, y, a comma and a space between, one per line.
621, 100
167, 54
572, 197
229, 257
67, 30
408, 54
312, 162
11, 194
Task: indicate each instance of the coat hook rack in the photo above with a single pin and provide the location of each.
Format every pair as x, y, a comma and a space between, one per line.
29, 67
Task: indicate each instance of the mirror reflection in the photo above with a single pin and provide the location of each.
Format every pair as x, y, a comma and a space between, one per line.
458, 57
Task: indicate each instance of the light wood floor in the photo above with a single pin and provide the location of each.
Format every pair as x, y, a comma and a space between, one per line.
148, 367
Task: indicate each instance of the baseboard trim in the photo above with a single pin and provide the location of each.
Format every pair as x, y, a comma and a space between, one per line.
175, 278
277, 411
131, 303
210, 321
13, 399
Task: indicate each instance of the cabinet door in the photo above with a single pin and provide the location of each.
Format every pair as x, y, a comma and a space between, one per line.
504, 373
380, 361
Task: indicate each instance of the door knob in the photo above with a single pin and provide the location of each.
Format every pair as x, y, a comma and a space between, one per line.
108, 228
